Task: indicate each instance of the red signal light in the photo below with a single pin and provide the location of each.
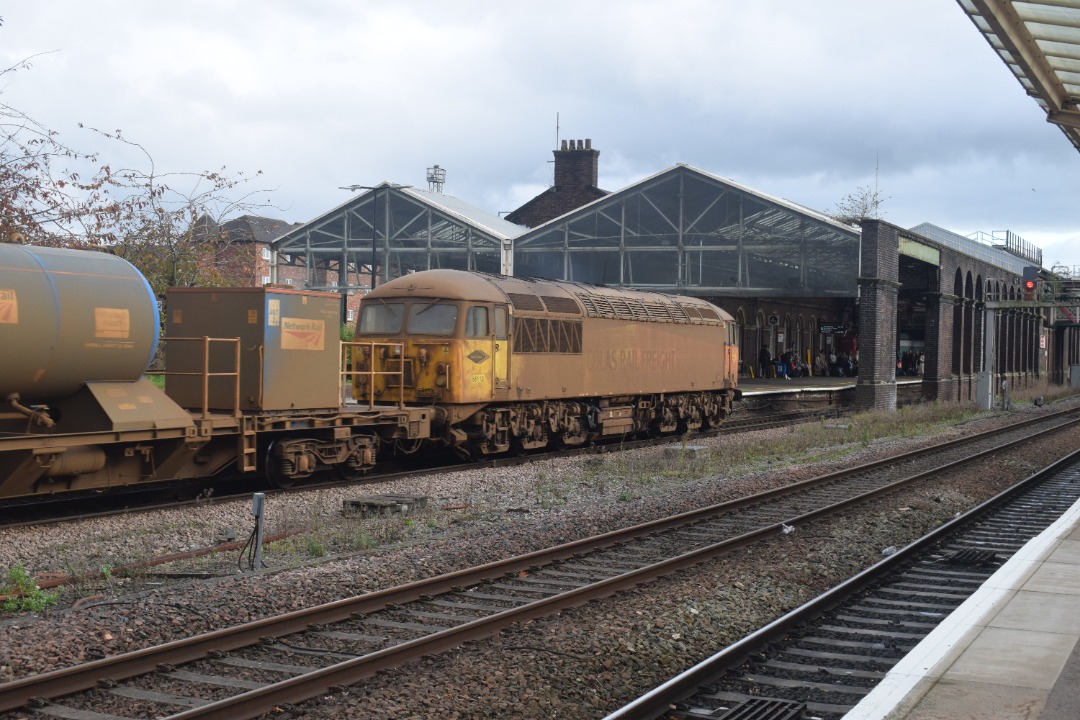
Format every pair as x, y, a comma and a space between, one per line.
1029, 284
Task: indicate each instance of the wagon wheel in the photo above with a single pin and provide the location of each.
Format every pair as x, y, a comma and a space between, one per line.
278, 473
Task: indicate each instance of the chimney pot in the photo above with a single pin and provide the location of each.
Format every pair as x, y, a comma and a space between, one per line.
564, 144
588, 143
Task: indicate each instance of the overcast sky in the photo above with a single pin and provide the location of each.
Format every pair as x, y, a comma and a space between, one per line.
803, 100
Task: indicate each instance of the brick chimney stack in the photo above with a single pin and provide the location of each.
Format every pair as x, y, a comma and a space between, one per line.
577, 170
577, 164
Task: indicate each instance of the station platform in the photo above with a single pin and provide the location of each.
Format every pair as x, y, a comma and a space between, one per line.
816, 392
764, 386
809, 384
1010, 651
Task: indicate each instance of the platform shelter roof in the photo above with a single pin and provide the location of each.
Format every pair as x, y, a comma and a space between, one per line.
1039, 41
687, 231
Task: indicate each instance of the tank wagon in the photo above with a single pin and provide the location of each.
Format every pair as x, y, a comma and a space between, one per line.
517, 364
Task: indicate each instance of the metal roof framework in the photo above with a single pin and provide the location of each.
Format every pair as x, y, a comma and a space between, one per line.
686, 231
1040, 43
396, 229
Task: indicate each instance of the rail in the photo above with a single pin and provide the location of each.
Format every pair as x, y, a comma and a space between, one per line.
369, 372
204, 373
714, 530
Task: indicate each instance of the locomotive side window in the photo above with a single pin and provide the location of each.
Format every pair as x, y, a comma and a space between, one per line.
381, 318
501, 323
476, 322
433, 318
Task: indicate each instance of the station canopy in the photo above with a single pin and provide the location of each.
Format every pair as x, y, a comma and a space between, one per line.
681, 231
397, 230
686, 231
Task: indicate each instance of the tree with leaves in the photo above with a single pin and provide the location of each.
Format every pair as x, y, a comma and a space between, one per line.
52, 194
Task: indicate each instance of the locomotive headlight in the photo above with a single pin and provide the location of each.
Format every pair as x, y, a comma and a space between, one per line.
440, 380
422, 354
440, 368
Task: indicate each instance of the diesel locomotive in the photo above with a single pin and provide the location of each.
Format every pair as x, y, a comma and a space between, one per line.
258, 380
519, 363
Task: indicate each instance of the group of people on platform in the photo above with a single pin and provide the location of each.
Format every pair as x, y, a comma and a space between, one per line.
909, 362
788, 364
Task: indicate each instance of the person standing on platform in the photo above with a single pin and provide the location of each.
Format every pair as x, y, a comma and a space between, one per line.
764, 360
783, 365
821, 364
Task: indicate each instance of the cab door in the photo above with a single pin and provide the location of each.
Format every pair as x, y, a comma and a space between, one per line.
501, 352
479, 354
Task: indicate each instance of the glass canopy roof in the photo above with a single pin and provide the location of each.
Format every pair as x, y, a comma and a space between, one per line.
681, 230
686, 231
399, 230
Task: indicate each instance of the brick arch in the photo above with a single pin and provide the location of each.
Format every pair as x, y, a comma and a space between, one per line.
979, 334
958, 325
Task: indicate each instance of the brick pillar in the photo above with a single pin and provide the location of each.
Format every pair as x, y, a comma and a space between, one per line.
937, 381
878, 289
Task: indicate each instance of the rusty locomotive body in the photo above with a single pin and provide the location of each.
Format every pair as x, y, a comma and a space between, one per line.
258, 380
512, 363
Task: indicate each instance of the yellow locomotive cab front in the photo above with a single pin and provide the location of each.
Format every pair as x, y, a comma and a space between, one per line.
426, 351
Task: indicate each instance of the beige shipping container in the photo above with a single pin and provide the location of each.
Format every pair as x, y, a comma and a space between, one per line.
290, 347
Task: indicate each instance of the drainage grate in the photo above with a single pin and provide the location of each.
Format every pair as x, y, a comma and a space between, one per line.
762, 709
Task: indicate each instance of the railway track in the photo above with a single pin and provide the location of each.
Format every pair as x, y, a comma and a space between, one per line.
61, 508
249, 669
823, 658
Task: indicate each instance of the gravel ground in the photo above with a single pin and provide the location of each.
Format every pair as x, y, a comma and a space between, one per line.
584, 663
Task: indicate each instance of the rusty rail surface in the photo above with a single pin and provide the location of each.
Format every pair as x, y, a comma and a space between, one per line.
301, 687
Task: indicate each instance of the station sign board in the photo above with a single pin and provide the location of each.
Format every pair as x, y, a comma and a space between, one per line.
833, 328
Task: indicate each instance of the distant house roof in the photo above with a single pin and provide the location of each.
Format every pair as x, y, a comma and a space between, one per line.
244, 229
254, 228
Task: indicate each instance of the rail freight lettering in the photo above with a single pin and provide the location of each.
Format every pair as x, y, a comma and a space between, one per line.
633, 359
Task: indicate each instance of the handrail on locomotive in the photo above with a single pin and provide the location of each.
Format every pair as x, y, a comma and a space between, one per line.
348, 371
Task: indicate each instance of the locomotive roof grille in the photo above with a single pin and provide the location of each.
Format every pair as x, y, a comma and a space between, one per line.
524, 301
561, 305
622, 308
708, 314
